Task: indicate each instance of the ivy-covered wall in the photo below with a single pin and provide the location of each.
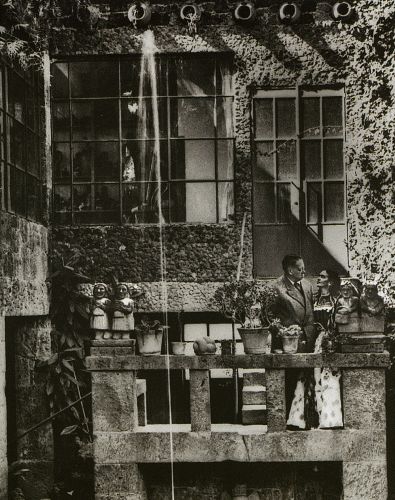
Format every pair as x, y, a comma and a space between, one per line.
316, 51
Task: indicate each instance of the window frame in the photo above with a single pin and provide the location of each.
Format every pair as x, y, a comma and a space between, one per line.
123, 141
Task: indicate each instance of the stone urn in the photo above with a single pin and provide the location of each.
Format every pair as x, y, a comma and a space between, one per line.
255, 340
150, 343
290, 344
178, 348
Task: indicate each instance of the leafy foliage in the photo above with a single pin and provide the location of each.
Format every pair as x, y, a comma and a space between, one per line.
247, 302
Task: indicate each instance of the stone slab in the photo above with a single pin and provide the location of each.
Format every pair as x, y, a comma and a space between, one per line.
364, 324
275, 400
351, 348
254, 414
365, 480
363, 339
254, 378
200, 400
288, 446
277, 361
254, 395
120, 479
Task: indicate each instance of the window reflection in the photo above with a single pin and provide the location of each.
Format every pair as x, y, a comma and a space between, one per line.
192, 117
95, 120
94, 79
141, 202
106, 197
61, 161
82, 197
193, 159
62, 198
192, 76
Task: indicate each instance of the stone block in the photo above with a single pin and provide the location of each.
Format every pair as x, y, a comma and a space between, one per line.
275, 400
254, 377
365, 480
200, 400
364, 398
114, 401
254, 414
119, 481
254, 395
376, 347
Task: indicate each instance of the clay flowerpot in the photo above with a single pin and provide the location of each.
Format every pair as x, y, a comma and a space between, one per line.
150, 343
290, 344
178, 348
254, 340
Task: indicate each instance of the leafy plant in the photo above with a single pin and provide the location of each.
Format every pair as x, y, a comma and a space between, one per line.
247, 302
146, 325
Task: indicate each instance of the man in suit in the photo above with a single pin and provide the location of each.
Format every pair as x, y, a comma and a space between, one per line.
294, 305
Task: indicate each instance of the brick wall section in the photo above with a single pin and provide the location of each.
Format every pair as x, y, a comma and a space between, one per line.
315, 51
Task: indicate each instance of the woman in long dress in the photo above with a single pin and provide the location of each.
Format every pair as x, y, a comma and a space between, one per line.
319, 405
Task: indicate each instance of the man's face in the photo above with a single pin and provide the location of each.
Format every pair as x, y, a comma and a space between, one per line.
297, 272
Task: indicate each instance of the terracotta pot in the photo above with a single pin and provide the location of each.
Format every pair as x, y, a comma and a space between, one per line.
290, 344
150, 343
245, 13
178, 348
254, 340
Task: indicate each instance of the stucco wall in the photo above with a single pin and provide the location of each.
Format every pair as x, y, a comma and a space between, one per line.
23, 267
315, 51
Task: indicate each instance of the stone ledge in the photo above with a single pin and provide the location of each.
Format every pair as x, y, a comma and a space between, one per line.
270, 361
288, 446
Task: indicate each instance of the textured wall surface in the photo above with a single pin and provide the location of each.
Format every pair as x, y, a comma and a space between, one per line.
3, 416
23, 267
318, 51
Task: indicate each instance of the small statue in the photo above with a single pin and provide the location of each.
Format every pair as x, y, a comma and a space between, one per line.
347, 303
123, 307
99, 308
371, 302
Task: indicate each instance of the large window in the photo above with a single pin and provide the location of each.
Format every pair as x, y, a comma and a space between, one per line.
298, 173
20, 173
107, 141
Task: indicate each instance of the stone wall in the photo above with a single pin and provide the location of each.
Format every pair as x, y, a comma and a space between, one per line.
3, 416
316, 51
23, 267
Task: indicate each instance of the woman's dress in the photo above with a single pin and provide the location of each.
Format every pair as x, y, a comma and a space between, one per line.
318, 403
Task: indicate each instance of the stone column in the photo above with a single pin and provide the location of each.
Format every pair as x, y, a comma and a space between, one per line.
114, 410
364, 408
275, 400
35, 450
3, 416
200, 400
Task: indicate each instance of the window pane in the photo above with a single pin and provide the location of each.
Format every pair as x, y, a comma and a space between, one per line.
106, 161
332, 109
263, 118
32, 163
334, 201
95, 120
94, 79
225, 151
33, 198
284, 213
193, 202
192, 117
139, 161
264, 207
16, 96
224, 77
30, 108
333, 159
61, 161
16, 143
310, 116
311, 159
224, 117
285, 116
192, 76
226, 202
314, 202
264, 168
2, 103
82, 197
61, 121
60, 83
132, 85
62, 198
193, 159
201, 202
286, 160
2, 186
82, 161
93, 217
138, 118
140, 203
18, 191
107, 197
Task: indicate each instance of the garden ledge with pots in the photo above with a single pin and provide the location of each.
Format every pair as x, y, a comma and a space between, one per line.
122, 442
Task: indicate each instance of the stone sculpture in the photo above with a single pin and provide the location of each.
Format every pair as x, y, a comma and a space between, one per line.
99, 309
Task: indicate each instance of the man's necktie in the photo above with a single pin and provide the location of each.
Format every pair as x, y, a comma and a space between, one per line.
298, 287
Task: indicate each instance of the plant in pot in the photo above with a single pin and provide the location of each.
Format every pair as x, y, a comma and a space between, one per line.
290, 338
248, 302
149, 334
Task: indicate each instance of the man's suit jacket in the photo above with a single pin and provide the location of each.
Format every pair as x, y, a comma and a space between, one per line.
294, 309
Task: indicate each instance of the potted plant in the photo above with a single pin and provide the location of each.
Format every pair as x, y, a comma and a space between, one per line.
248, 302
149, 334
290, 338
